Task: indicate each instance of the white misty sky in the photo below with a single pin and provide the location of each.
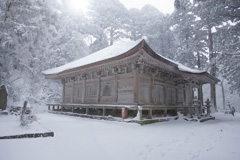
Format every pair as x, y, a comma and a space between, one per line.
165, 6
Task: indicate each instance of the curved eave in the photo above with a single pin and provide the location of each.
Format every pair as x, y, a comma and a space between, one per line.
156, 56
210, 78
148, 50
132, 51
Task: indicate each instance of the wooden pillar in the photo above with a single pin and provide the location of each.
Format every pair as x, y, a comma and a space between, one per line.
104, 111
136, 86
53, 107
63, 91
115, 88
186, 95
193, 88
72, 95
151, 90
190, 99
124, 113
87, 110
150, 113
61, 108
48, 107
72, 108
99, 89
165, 93
83, 90
176, 96
165, 88
165, 111
200, 94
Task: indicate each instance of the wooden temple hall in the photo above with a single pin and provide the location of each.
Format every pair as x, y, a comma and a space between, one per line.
129, 80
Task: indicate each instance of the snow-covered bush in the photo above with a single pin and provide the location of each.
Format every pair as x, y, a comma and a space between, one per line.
28, 119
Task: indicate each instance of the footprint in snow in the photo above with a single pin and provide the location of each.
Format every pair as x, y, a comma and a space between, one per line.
195, 156
150, 149
163, 155
209, 149
159, 145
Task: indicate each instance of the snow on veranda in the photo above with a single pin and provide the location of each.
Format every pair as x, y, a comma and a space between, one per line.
90, 139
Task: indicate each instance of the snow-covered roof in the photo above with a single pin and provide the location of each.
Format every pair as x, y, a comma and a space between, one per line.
116, 49
189, 70
185, 68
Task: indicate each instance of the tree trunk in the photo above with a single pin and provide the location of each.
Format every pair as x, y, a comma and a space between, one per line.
198, 60
212, 69
8, 5
223, 94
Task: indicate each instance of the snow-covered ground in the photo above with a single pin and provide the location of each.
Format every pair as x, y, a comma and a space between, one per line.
91, 139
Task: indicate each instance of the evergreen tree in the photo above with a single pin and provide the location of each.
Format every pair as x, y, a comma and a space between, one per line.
228, 42
191, 46
111, 16
149, 22
214, 14
32, 38
134, 24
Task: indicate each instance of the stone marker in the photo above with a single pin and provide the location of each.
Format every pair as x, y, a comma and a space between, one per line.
3, 97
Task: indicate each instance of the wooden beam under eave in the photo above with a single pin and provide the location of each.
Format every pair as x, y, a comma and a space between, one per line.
172, 79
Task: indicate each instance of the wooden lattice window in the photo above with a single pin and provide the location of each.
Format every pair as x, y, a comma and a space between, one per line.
78, 91
107, 90
180, 96
158, 96
171, 96
68, 92
91, 91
